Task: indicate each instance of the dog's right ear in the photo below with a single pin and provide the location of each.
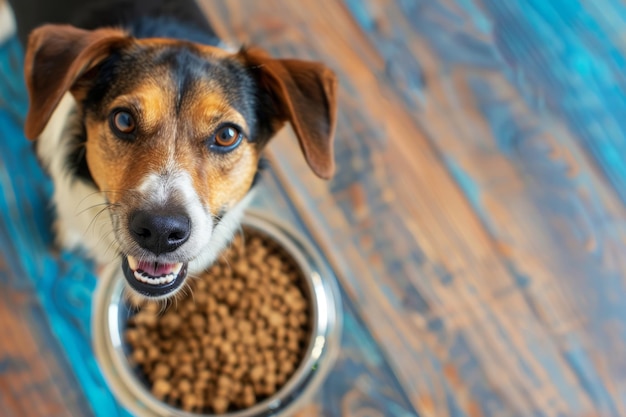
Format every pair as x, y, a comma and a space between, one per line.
57, 56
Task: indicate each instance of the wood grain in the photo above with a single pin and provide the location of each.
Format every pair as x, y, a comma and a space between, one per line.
465, 223
35, 380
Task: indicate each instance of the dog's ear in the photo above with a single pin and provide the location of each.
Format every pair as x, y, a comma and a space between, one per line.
303, 93
56, 58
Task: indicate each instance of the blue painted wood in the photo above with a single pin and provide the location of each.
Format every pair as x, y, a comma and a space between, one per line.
62, 284
532, 91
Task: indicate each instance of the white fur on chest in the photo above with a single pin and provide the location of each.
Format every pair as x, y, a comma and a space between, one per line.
83, 220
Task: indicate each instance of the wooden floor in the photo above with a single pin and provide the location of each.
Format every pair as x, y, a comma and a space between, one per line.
477, 221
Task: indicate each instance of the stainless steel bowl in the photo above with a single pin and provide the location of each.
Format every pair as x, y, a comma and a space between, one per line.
110, 314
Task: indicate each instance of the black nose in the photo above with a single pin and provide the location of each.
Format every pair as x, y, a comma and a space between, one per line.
159, 232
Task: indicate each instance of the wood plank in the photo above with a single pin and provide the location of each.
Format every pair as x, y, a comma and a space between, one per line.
469, 231
548, 191
35, 380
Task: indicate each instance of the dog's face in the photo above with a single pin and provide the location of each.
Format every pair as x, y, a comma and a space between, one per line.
174, 134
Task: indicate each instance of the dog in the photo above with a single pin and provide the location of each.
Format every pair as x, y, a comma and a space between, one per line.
152, 131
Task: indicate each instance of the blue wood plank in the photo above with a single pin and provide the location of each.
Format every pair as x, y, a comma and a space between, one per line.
63, 285
544, 79
570, 59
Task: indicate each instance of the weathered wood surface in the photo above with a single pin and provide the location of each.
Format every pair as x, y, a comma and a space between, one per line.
476, 223
476, 219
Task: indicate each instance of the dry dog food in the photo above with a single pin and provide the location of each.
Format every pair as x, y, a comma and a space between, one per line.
234, 338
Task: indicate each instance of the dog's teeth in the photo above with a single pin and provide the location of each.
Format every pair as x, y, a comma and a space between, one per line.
176, 269
147, 279
132, 263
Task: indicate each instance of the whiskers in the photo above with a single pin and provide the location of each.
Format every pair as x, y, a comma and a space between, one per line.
97, 223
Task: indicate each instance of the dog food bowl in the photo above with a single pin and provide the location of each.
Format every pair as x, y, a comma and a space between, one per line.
111, 312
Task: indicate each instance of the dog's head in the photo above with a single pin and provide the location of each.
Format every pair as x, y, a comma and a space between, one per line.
174, 133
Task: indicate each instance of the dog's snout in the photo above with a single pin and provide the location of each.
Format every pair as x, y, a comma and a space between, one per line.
159, 232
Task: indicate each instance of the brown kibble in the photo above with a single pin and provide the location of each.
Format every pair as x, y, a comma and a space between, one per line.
189, 401
227, 369
185, 370
254, 275
179, 347
174, 394
146, 319
222, 310
215, 270
282, 355
224, 382
230, 358
281, 379
220, 405
303, 319
197, 321
282, 279
294, 321
172, 361
237, 338
256, 373
270, 379
280, 333
153, 353
132, 336
293, 345
238, 286
139, 356
201, 298
161, 388
248, 340
249, 400
209, 353
242, 268
275, 319
232, 335
225, 348
232, 297
201, 285
205, 340
239, 372
286, 368
171, 320
184, 386
244, 326
160, 371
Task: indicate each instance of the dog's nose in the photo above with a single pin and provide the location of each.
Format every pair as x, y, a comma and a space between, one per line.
159, 232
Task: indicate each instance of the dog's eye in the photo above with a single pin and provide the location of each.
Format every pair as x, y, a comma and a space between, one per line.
122, 123
226, 138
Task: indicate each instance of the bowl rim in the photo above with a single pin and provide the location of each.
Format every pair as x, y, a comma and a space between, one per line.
321, 352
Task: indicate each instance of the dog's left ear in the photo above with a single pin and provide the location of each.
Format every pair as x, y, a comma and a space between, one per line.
303, 93
57, 56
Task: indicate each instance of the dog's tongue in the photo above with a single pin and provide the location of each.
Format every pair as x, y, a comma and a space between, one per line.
152, 268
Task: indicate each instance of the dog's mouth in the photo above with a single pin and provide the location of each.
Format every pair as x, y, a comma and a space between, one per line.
153, 279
